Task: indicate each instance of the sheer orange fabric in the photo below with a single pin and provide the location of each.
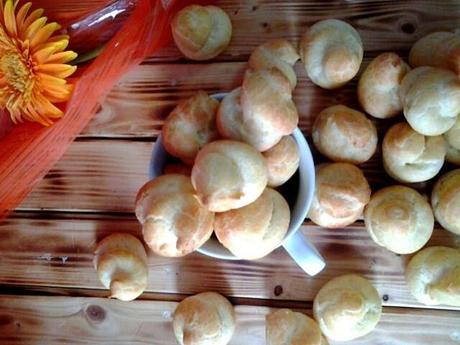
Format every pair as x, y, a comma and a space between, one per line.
29, 151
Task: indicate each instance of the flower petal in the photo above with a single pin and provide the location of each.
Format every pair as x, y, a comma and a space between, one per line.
43, 55
44, 34
33, 29
9, 18
22, 13
29, 20
57, 70
62, 57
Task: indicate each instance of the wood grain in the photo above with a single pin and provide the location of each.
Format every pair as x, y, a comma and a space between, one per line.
39, 250
383, 25
63, 320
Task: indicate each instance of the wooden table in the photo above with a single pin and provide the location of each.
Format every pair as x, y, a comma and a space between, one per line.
50, 292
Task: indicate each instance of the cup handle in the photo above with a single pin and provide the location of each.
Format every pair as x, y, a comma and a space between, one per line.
304, 254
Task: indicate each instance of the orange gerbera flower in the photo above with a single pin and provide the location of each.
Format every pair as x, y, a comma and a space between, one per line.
33, 67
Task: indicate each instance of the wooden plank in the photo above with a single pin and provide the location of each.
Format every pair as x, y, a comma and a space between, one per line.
137, 106
94, 175
383, 25
39, 250
36, 320
105, 175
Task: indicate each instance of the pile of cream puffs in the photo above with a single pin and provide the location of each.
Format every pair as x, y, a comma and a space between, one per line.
234, 153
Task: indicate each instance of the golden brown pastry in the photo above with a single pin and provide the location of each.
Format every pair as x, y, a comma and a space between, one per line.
255, 230
121, 264
285, 327
347, 307
190, 126
445, 200
174, 222
278, 53
201, 32
228, 174
412, 157
452, 137
438, 49
378, 86
229, 118
282, 161
431, 99
331, 51
399, 219
268, 112
341, 193
433, 276
204, 319
344, 135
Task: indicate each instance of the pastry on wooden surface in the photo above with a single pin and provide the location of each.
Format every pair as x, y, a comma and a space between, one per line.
452, 137
201, 32
341, 193
282, 161
433, 276
438, 49
255, 230
431, 99
174, 222
285, 327
228, 175
331, 52
204, 319
190, 126
347, 307
344, 135
399, 219
121, 264
409, 156
378, 86
445, 200
278, 53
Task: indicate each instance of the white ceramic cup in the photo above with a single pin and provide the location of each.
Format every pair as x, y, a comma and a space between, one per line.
295, 243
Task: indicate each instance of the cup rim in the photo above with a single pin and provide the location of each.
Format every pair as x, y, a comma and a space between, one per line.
299, 210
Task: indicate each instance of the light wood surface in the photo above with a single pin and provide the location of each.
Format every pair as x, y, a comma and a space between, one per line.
59, 320
46, 247
58, 251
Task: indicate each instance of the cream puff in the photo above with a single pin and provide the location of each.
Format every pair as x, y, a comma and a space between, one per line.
285, 327
344, 135
121, 264
445, 200
409, 156
433, 276
190, 126
201, 32
341, 193
204, 319
255, 230
282, 161
347, 307
378, 86
174, 222
331, 52
228, 175
438, 49
431, 99
399, 219
278, 53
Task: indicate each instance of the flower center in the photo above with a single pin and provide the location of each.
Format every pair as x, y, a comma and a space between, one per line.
15, 72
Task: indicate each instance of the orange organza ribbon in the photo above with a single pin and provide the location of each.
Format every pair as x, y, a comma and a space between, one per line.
29, 150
